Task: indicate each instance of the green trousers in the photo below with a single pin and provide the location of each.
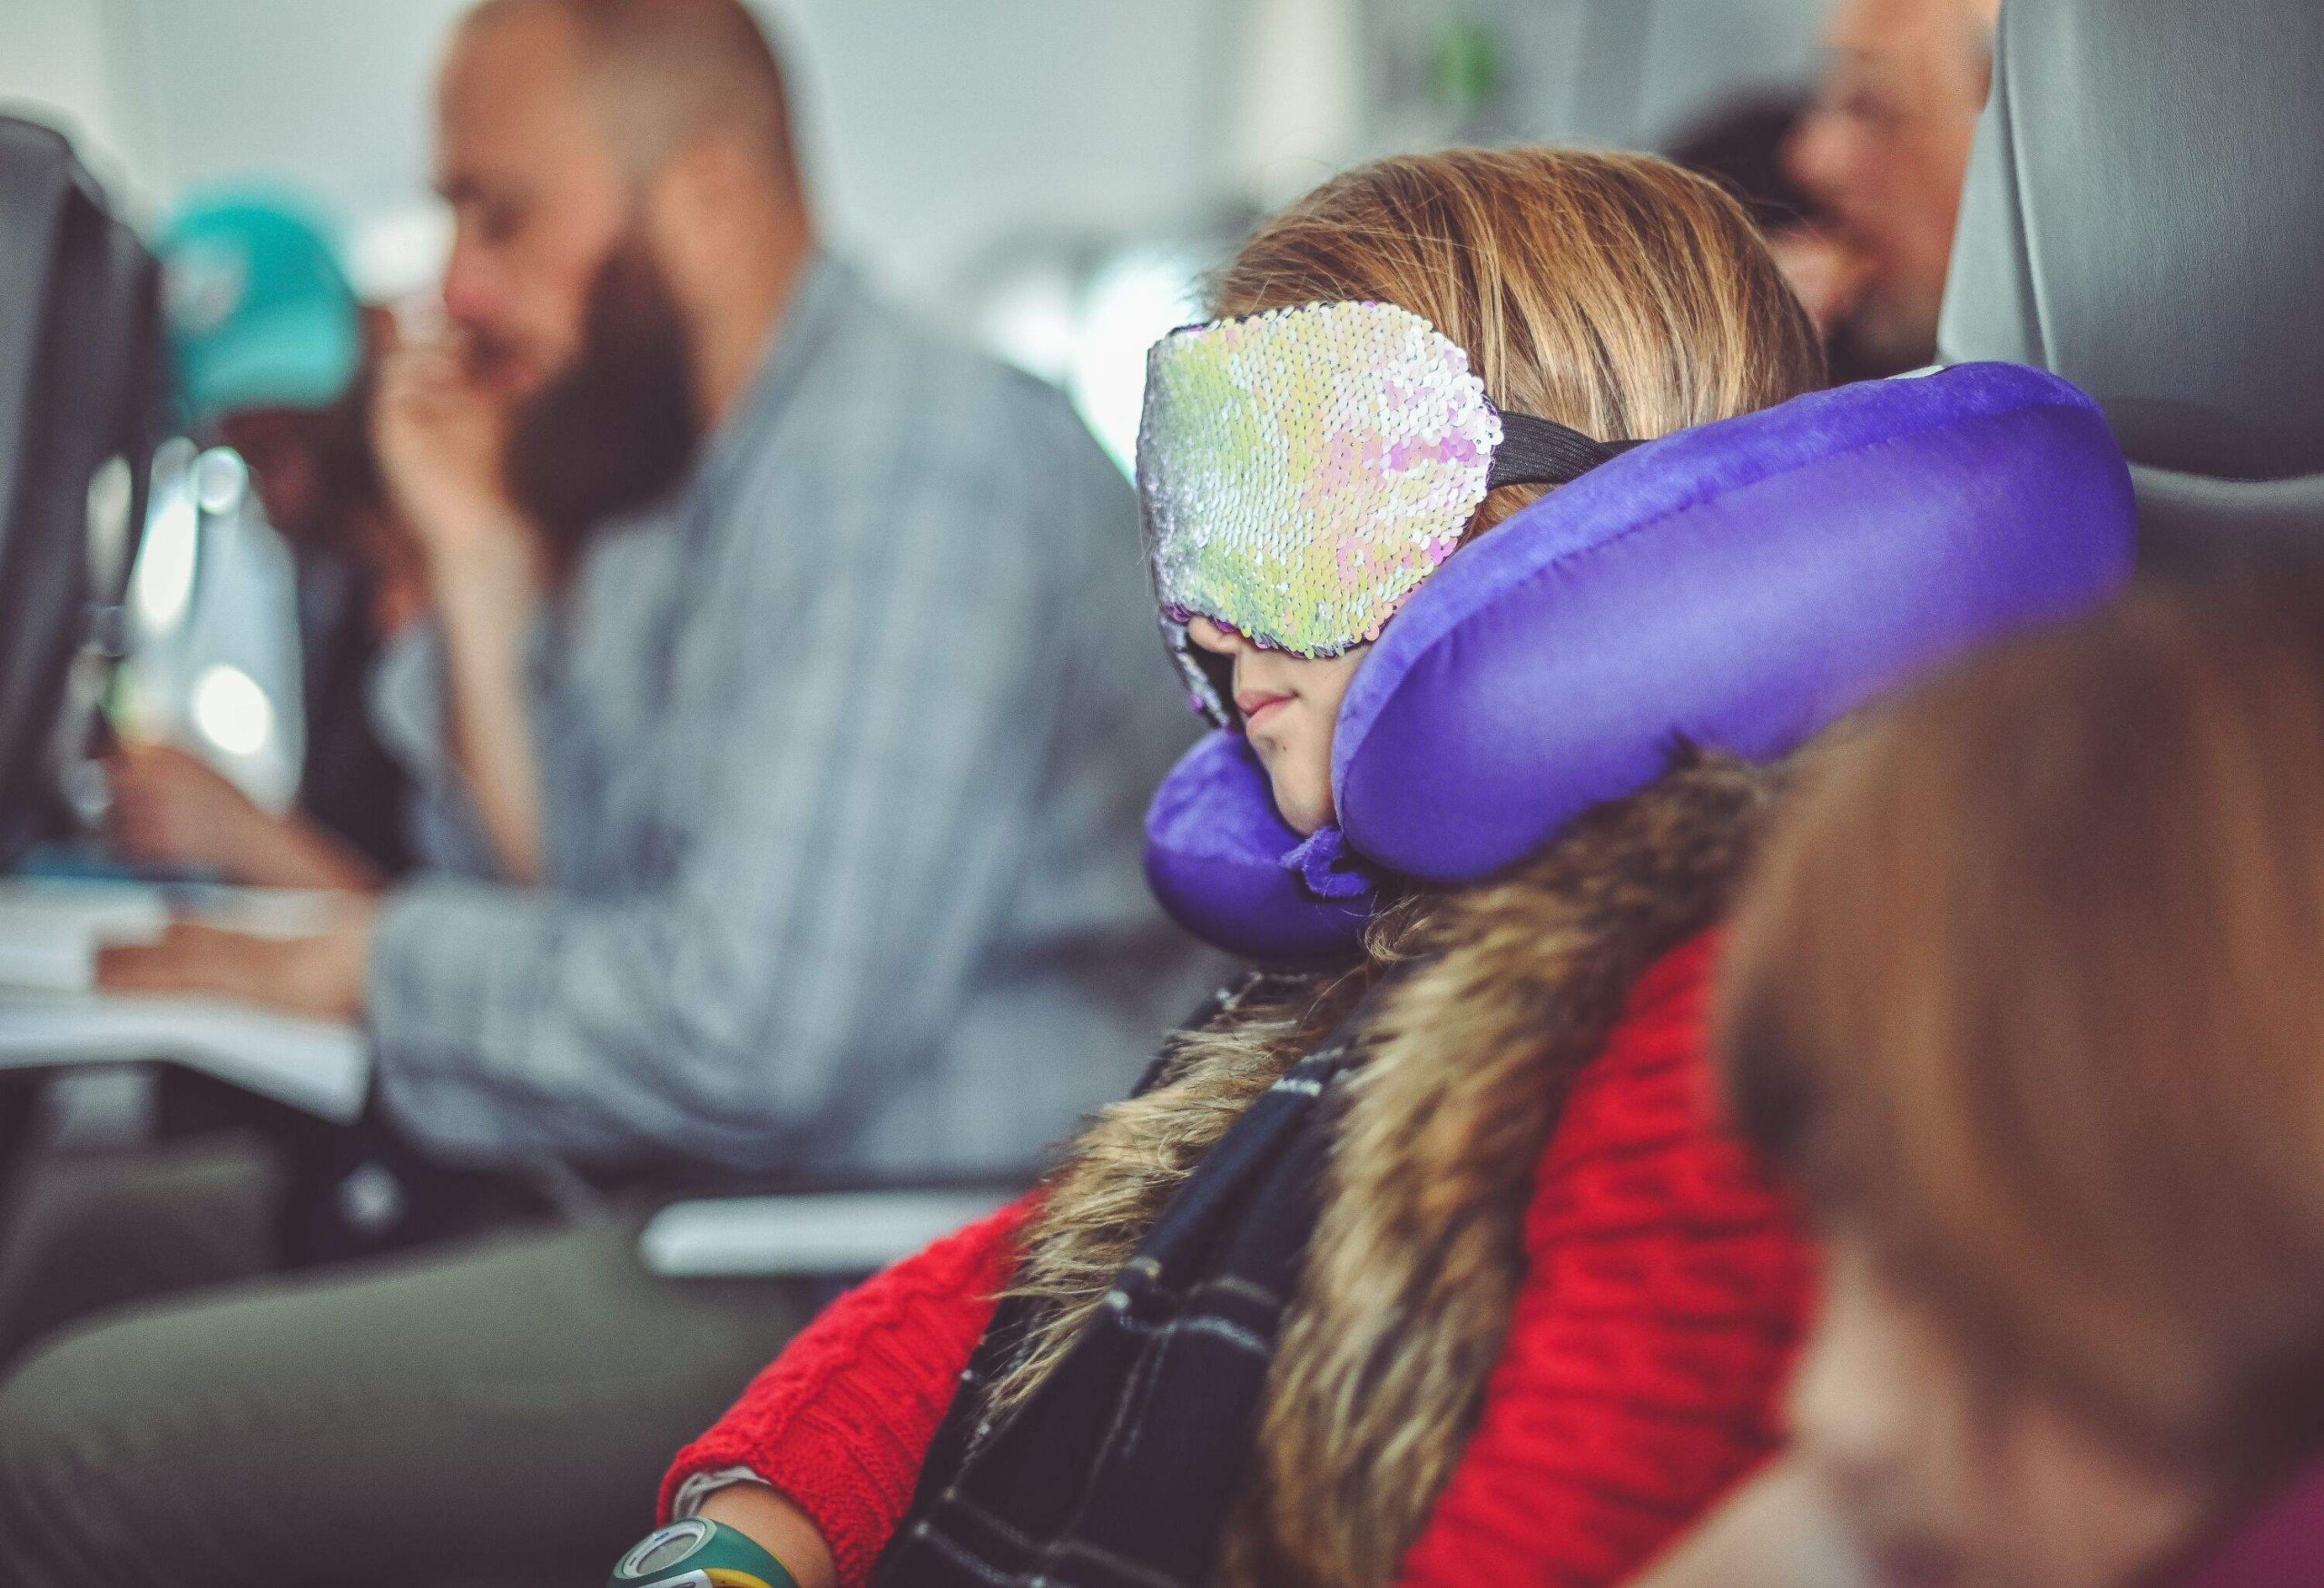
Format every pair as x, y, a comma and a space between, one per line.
499, 1413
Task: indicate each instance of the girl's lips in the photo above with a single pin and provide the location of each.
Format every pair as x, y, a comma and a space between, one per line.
1256, 706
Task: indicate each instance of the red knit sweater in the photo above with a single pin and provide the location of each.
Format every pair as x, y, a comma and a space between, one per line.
1665, 1286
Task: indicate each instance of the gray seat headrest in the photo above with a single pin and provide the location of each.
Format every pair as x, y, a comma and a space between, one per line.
2145, 216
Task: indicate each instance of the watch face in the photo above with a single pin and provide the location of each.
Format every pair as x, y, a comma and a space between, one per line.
665, 1548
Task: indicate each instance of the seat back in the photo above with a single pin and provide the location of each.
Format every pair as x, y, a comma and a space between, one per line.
2144, 216
80, 408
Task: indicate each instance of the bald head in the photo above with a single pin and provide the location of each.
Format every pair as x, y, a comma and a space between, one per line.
582, 144
661, 76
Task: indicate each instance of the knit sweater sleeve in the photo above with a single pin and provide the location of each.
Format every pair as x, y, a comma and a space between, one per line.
1665, 1289
842, 1421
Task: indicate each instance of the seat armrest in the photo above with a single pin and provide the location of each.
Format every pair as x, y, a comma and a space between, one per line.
805, 1235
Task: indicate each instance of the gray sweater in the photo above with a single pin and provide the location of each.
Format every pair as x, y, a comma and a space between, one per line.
844, 752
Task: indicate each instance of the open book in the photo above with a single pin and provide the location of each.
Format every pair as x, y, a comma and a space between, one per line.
52, 1017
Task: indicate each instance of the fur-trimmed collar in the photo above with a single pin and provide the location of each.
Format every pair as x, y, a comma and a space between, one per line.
1508, 990
1419, 1252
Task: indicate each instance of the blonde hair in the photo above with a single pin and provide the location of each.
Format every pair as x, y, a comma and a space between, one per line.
1616, 294
1612, 292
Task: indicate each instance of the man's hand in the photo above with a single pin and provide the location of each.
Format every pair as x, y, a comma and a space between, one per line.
322, 976
440, 441
172, 809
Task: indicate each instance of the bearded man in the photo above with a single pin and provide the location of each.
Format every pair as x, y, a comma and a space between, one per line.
783, 727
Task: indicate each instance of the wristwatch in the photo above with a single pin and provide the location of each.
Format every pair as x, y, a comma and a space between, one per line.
698, 1552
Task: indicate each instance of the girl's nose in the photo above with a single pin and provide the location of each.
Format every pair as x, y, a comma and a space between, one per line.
1212, 635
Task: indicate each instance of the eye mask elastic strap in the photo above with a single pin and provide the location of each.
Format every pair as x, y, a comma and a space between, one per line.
1538, 451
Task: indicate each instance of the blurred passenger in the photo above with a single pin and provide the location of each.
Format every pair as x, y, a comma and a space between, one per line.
1743, 147
784, 730
1320, 1455
1884, 154
273, 357
2029, 994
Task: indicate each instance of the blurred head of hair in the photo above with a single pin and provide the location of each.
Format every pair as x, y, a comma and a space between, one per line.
313, 468
2029, 994
1743, 147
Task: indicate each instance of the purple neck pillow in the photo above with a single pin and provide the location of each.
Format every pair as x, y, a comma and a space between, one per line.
1740, 586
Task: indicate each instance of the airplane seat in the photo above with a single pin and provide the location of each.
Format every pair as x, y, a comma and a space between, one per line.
2146, 217
82, 406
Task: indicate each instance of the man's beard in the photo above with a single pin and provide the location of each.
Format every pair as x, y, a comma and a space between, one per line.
617, 426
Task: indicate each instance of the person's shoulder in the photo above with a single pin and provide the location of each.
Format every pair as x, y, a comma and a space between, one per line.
959, 393
877, 327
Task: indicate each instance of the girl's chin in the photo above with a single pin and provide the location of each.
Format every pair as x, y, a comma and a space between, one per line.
1302, 817
1305, 810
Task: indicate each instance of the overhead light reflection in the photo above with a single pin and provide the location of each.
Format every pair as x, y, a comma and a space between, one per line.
1133, 299
220, 480
1030, 320
163, 583
231, 711
113, 492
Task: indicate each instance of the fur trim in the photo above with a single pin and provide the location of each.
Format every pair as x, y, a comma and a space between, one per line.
1125, 1168
1514, 988
1419, 1252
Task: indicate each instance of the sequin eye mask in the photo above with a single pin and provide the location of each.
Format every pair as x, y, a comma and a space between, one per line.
1303, 471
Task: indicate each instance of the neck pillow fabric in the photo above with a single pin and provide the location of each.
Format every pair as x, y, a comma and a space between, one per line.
1739, 586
